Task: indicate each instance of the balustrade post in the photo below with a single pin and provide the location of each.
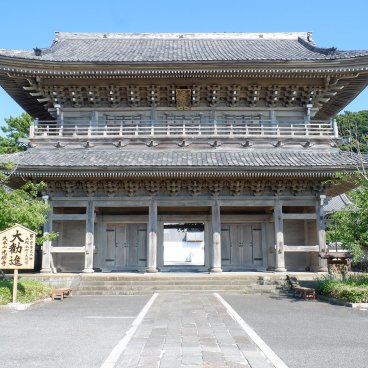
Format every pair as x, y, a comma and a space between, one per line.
152, 128
335, 129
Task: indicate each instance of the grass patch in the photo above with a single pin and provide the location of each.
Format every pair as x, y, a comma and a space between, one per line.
28, 291
350, 288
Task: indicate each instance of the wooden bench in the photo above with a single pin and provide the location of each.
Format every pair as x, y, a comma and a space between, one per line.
303, 292
61, 293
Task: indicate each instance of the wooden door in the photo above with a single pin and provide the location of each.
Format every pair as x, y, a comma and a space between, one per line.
241, 244
126, 245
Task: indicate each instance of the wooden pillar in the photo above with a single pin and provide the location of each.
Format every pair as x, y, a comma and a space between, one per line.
46, 246
152, 238
279, 237
89, 245
321, 232
215, 259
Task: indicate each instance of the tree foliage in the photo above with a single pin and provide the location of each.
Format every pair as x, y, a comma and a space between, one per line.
350, 226
22, 206
353, 128
15, 129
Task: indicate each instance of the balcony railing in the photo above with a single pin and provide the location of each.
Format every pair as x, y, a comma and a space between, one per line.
185, 128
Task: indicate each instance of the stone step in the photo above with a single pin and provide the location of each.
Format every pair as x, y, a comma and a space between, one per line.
181, 287
85, 283
145, 292
123, 290
159, 277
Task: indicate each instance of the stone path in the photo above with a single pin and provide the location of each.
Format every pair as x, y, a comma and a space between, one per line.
190, 330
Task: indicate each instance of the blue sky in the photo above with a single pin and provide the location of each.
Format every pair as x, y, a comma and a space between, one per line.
27, 24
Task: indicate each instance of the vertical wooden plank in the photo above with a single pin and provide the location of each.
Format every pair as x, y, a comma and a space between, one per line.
257, 244
132, 240
110, 250
225, 244
121, 246
247, 241
142, 242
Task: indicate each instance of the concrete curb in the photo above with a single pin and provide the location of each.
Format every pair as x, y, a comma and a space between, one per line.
22, 307
335, 301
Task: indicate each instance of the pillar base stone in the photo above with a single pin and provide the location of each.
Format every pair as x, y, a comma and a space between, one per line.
280, 269
151, 270
88, 270
322, 269
46, 270
215, 269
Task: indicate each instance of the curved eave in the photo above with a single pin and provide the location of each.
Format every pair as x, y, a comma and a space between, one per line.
352, 71
14, 64
184, 172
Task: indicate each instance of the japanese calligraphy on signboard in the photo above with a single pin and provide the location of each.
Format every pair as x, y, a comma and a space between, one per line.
17, 248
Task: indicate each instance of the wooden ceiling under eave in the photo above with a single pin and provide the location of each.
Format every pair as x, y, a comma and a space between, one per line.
14, 88
352, 88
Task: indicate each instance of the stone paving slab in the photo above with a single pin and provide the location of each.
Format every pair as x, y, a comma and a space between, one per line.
191, 330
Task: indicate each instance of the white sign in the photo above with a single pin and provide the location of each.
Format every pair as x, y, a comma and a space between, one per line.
17, 248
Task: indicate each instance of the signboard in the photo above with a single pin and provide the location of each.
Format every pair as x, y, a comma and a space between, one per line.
183, 99
17, 248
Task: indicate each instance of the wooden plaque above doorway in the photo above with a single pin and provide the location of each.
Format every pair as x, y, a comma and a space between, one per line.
183, 99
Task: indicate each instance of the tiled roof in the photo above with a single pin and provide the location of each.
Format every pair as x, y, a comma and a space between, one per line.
106, 160
338, 203
163, 48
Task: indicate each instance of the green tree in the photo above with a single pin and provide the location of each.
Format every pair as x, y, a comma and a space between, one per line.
15, 129
350, 226
22, 205
353, 128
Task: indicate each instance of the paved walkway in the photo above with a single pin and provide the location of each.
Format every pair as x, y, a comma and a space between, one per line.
190, 330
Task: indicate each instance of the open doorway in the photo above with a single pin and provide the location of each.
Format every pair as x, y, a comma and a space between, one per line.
183, 244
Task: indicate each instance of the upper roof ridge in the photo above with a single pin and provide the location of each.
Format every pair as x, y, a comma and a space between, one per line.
215, 35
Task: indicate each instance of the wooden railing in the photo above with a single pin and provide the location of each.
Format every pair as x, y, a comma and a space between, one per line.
187, 128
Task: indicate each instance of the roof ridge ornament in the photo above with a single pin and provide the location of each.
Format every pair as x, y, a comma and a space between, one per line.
37, 51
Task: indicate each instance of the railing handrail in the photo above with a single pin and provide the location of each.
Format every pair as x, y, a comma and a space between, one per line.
228, 126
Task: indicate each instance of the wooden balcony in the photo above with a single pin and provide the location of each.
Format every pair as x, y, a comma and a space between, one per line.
190, 128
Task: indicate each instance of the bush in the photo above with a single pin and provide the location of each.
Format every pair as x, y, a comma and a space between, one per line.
28, 291
351, 288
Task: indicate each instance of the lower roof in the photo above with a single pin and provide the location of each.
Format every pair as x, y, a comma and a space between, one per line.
122, 163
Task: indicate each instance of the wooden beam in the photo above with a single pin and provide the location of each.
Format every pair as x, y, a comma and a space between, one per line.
68, 249
300, 216
301, 248
69, 217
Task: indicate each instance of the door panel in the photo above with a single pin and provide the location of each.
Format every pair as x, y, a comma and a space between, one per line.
241, 244
142, 241
121, 245
257, 245
110, 245
126, 245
